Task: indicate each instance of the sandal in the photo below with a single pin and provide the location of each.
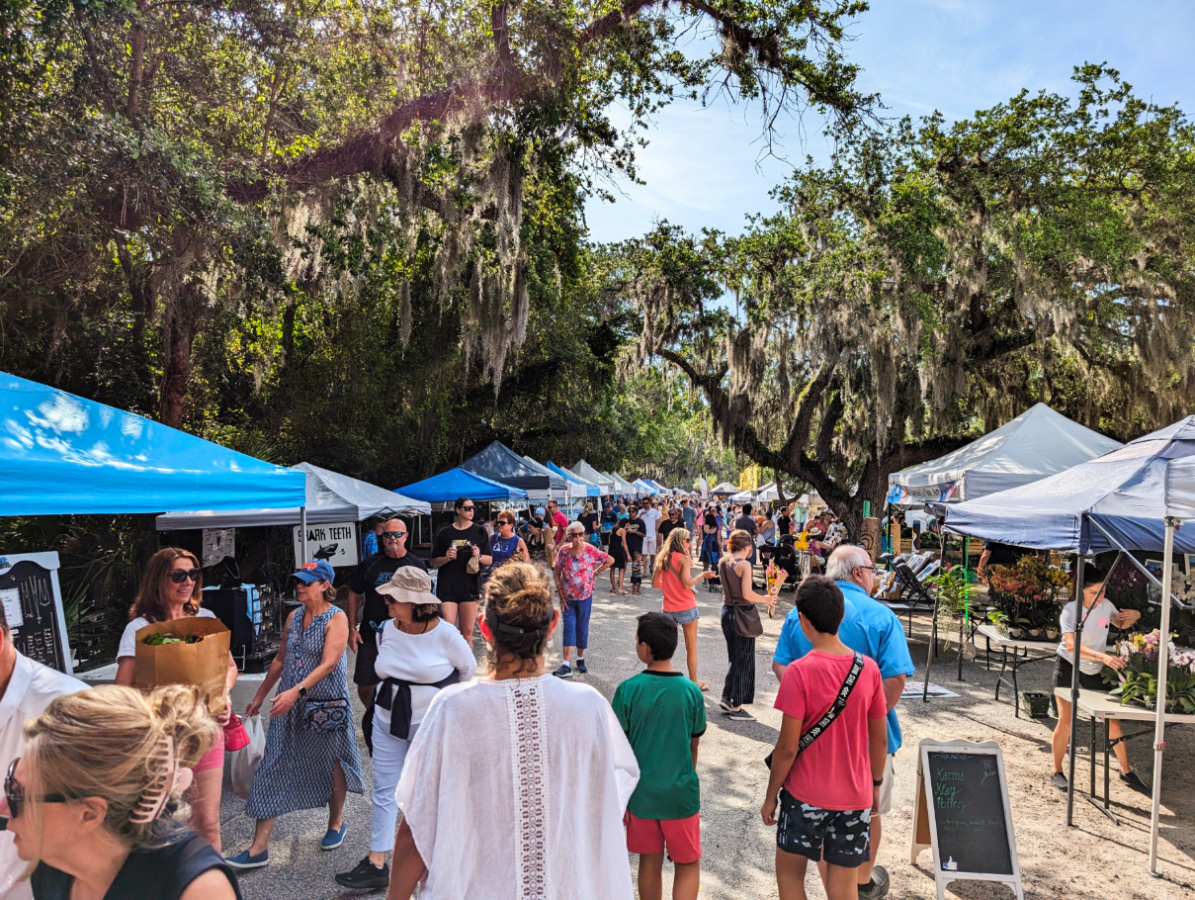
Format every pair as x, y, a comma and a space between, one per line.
703, 685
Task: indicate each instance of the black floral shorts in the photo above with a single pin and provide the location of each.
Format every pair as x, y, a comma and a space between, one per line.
843, 838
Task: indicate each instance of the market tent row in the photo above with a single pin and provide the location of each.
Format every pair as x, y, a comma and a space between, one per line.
61, 454
591, 489
331, 497
645, 488
448, 486
586, 472
1036, 444
498, 462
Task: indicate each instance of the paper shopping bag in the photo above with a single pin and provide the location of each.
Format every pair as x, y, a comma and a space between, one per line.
203, 664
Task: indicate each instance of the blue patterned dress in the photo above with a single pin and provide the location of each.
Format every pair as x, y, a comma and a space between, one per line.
296, 772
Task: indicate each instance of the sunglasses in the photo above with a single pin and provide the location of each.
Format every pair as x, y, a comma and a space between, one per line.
468, 508
14, 792
393, 535
178, 576
576, 534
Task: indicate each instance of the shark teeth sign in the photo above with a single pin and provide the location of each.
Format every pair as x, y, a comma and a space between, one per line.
335, 542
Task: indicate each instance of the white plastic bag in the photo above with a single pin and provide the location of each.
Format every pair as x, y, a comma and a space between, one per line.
244, 762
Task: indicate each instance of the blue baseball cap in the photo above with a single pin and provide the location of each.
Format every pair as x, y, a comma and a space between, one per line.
318, 570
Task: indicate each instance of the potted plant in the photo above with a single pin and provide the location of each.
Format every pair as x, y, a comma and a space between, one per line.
1137, 682
1029, 594
1000, 620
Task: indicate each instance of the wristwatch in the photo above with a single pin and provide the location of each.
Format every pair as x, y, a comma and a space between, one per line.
302, 691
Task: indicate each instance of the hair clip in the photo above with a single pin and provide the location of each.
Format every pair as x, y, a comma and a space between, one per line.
172, 779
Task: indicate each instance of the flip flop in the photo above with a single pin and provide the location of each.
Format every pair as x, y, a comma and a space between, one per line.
703, 686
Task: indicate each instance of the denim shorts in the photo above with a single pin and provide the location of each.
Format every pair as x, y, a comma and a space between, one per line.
842, 837
684, 616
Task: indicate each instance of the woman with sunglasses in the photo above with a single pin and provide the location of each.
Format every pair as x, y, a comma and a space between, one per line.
577, 566
674, 576
458, 553
506, 545
170, 589
92, 800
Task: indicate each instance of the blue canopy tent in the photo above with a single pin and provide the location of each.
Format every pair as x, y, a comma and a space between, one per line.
62, 454
447, 486
1112, 502
645, 487
660, 489
591, 489
570, 491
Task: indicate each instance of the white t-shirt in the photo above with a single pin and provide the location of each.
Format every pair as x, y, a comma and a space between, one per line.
1095, 633
128, 640
425, 658
649, 517
29, 692
544, 817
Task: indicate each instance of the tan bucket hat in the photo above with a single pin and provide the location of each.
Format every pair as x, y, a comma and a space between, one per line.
410, 584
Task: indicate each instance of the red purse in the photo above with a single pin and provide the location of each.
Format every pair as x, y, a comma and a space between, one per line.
235, 735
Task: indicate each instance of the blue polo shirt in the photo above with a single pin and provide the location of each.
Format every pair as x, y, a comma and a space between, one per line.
868, 627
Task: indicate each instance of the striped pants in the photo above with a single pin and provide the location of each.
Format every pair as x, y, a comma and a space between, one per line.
740, 674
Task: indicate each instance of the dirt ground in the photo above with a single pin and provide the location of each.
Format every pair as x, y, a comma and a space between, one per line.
1095, 859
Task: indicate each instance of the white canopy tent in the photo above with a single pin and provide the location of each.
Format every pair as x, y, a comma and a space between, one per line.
586, 472
741, 497
1037, 443
767, 493
571, 491
331, 497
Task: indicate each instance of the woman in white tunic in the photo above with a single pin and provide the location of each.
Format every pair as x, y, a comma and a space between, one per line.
515, 786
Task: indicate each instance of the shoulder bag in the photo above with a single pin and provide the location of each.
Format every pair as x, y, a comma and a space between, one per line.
746, 619
839, 704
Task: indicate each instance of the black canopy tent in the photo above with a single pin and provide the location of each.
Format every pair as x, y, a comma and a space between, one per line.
499, 463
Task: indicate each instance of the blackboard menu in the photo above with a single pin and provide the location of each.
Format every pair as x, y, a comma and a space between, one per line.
967, 796
32, 610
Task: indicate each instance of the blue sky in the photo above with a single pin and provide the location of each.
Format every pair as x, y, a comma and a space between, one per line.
703, 166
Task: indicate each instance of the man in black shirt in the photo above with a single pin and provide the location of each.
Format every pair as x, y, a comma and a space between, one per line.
453, 551
392, 555
670, 524
747, 524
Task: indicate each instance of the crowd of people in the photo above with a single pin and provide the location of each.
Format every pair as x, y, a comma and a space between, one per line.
114, 791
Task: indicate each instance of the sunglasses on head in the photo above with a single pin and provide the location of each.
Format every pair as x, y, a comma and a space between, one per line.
178, 576
14, 792
393, 535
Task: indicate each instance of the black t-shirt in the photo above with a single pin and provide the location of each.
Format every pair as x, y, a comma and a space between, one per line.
1002, 554
785, 524
376, 571
666, 527
453, 582
745, 523
636, 531
162, 874
590, 521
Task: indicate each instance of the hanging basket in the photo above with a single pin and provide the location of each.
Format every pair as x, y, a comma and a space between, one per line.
1035, 704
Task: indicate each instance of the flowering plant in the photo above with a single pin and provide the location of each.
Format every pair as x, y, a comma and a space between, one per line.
1029, 592
1138, 681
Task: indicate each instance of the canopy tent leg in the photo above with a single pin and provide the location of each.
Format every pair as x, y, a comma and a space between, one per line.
1070, 778
302, 534
1160, 722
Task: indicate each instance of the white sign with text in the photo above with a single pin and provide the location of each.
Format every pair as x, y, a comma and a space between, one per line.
335, 542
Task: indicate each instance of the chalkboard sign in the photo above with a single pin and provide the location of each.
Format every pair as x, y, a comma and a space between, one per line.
32, 602
962, 812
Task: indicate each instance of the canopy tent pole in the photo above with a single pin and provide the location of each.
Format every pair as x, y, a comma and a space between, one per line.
302, 535
1070, 778
1160, 724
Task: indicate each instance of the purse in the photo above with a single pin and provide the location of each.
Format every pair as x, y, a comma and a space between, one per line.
746, 620
839, 704
326, 715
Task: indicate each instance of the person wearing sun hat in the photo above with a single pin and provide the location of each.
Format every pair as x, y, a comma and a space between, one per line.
311, 757
418, 654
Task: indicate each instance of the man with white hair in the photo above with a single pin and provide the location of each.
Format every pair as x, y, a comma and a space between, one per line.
872, 629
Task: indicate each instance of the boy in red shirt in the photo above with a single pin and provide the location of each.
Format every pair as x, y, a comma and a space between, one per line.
825, 797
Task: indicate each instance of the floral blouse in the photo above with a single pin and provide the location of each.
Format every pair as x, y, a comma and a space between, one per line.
576, 572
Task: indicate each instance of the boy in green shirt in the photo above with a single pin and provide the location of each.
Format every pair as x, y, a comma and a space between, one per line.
663, 714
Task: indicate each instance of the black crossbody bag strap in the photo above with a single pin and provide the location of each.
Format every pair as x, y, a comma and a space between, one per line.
839, 704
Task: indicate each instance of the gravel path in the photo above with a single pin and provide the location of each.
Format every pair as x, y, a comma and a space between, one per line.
1095, 859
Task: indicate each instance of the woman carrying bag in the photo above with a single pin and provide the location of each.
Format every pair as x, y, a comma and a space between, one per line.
740, 624
311, 751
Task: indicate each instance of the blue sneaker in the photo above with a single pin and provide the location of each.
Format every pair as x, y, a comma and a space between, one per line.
244, 861
581, 667
334, 839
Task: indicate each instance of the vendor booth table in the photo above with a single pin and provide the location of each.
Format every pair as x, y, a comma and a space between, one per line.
1098, 706
1011, 662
